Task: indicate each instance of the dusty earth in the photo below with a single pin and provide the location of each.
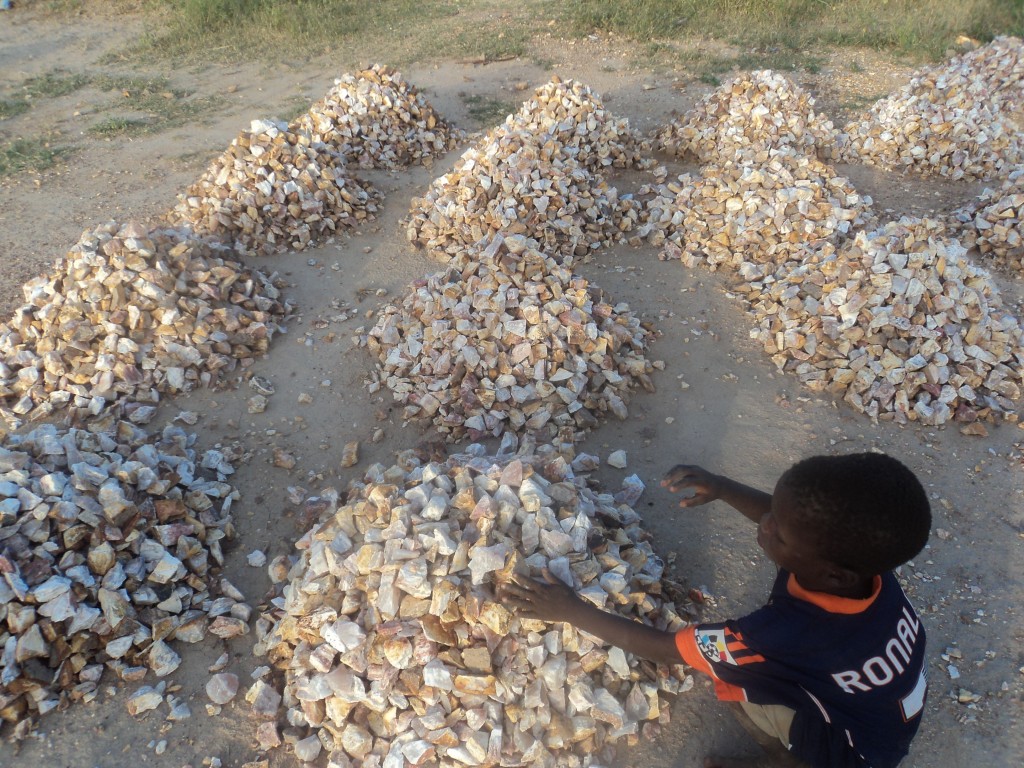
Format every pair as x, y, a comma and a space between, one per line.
738, 415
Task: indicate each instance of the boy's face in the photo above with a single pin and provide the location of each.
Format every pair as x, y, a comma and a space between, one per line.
790, 545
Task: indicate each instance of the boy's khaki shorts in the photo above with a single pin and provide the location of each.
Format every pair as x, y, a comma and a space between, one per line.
773, 719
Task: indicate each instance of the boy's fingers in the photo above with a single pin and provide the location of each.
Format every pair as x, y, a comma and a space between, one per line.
517, 592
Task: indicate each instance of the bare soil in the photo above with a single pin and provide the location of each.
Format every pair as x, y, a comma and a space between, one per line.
737, 416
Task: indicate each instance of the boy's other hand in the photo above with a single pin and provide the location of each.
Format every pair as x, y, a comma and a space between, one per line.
705, 486
532, 599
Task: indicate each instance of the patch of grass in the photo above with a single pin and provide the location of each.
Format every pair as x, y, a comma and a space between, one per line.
918, 28
508, 42
131, 86
163, 105
12, 108
54, 84
710, 66
120, 126
36, 154
248, 29
486, 110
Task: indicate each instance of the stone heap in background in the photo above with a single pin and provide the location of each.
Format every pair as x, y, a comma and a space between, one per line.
572, 115
396, 651
749, 120
961, 120
753, 215
899, 323
378, 120
995, 223
538, 174
508, 338
130, 313
110, 549
275, 189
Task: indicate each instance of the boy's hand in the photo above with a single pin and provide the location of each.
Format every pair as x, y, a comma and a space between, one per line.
532, 599
705, 486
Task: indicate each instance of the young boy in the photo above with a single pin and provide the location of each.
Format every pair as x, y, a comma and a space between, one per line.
833, 665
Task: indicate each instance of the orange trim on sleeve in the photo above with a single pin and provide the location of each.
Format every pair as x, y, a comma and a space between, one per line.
834, 603
686, 644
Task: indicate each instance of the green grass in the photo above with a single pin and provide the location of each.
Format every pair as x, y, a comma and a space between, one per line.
54, 84
163, 105
51, 85
12, 108
507, 42
120, 126
29, 155
918, 28
487, 111
252, 29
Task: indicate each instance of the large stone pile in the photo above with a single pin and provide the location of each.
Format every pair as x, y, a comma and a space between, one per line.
508, 338
128, 314
539, 175
396, 651
376, 119
899, 323
995, 222
759, 214
110, 549
961, 120
749, 120
275, 189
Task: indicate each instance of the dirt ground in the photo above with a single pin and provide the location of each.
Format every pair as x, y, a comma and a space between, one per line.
737, 416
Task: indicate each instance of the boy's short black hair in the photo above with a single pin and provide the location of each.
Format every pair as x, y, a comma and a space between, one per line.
868, 512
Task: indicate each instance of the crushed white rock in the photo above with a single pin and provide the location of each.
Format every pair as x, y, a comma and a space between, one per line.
129, 314
376, 119
395, 649
539, 175
275, 189
510, 339
961, 120
898, 322
994, 223
749, 119
110, 549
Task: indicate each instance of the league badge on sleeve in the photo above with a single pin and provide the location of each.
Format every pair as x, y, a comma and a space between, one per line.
712, 644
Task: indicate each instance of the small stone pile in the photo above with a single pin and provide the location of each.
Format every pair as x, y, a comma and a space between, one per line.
128, 314
110, 549
961, 120
538, 174
275, 189
376, 119
573, 116
899, 323
508, 338
753, 216
396, 651
518, 183
749, 120
995, 223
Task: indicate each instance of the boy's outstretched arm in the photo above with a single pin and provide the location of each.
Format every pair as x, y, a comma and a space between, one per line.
750, 502
532, 599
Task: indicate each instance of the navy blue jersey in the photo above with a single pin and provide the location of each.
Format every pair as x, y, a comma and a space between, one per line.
852, 669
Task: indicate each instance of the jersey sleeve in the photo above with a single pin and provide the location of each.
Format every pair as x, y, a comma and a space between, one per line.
719, 651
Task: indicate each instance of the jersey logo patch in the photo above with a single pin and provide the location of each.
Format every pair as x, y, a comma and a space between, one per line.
913, 702
712, 644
